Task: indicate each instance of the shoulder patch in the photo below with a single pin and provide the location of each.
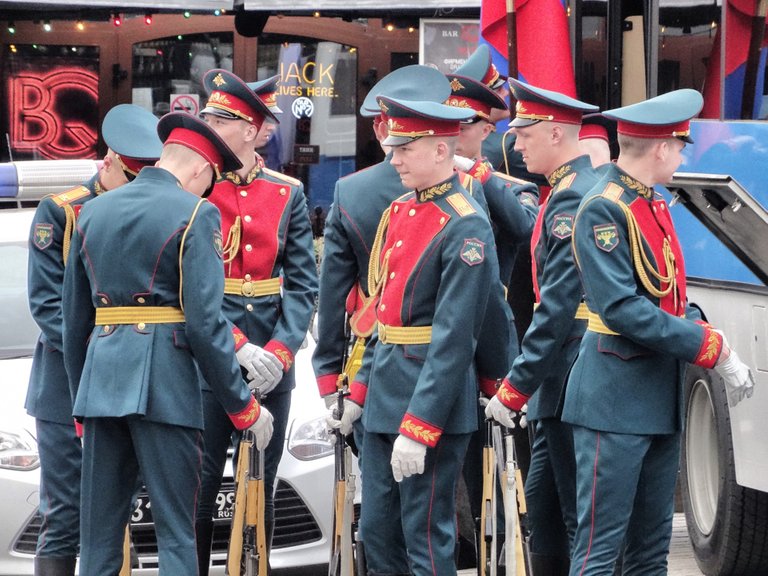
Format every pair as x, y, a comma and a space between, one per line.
564, 183
460, 204
528, 199
218, 243
562, 226
280, 176
42, 236
606, 236
64, 198
613, 192
472, 251
512, 179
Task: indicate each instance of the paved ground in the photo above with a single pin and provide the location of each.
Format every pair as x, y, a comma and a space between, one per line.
681, 562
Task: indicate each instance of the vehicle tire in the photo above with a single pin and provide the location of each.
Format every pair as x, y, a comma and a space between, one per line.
727, 523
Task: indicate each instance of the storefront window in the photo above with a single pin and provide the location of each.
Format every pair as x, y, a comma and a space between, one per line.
51, 102
168, 72
315, 140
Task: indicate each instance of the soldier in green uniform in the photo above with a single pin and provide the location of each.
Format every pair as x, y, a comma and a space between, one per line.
142, 317
130, 133
624, 395
547, 125
437, 271
270, 287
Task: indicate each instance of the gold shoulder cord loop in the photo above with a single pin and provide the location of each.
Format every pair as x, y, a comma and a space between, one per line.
232, 245
376, 271
504, 152
69, 230
643, 265
181, 252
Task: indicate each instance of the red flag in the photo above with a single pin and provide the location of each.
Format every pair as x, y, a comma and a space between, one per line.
543, 42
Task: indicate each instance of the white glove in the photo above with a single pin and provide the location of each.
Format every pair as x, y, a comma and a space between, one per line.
739, 382
352, 413
463, 163
262, 429
264, 369
497, 411
407, 457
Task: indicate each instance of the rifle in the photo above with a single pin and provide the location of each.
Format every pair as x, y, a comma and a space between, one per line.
516, 557
342, 561
247, 553
487, 564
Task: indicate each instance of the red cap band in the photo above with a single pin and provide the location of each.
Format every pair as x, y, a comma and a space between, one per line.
197, 142
234, 105
481, 109
133, 165
528, 110
593, 131
680, 129
416, 127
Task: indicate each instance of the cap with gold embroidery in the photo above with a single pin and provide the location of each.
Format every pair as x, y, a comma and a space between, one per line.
415, 82
480, 67
537, 104
193, 133
665, 116
409, 120
229, 97
267, 91
130, 131
474, 95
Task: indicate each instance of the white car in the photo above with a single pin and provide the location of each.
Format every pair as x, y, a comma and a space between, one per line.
305, 477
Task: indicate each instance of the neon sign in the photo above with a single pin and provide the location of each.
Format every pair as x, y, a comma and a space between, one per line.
36, 101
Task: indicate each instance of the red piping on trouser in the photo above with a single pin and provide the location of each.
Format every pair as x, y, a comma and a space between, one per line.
594, 489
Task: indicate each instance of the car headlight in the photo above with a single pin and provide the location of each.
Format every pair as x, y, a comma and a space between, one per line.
18, 451
311, 440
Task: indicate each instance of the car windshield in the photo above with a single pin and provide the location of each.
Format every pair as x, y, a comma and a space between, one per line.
18, 332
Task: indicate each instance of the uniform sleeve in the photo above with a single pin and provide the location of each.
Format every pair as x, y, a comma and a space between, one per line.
77, 311
614, 294
513, 207
45, 275
460, 308
299, 284
496, 341
208, 332
560, 292
338, 274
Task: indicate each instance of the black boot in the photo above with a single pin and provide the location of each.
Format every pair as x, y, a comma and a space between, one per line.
546, 565
55, 566
203, 539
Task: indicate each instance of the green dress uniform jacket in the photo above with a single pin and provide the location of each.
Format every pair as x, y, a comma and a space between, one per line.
350, 229
551, 343
150, 244
439, 268
267, 238
48, 396
641, 332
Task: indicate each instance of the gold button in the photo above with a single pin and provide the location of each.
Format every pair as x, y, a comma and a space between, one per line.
383, 307
247, 218
249, 307
107, 329
282, 191
104, 300
396, 209
654, 208
248, 247
248, 277
243, 193
411, 212
663, 206
392, 275
141, 300
141, 325
442, 220
399, 243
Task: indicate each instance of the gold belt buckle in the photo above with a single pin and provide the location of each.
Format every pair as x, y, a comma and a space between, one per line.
247, 289
383, 333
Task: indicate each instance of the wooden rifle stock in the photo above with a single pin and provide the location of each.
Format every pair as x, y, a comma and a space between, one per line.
488, 559
515, 508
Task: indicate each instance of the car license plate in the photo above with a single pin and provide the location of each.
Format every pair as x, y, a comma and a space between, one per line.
222, 510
